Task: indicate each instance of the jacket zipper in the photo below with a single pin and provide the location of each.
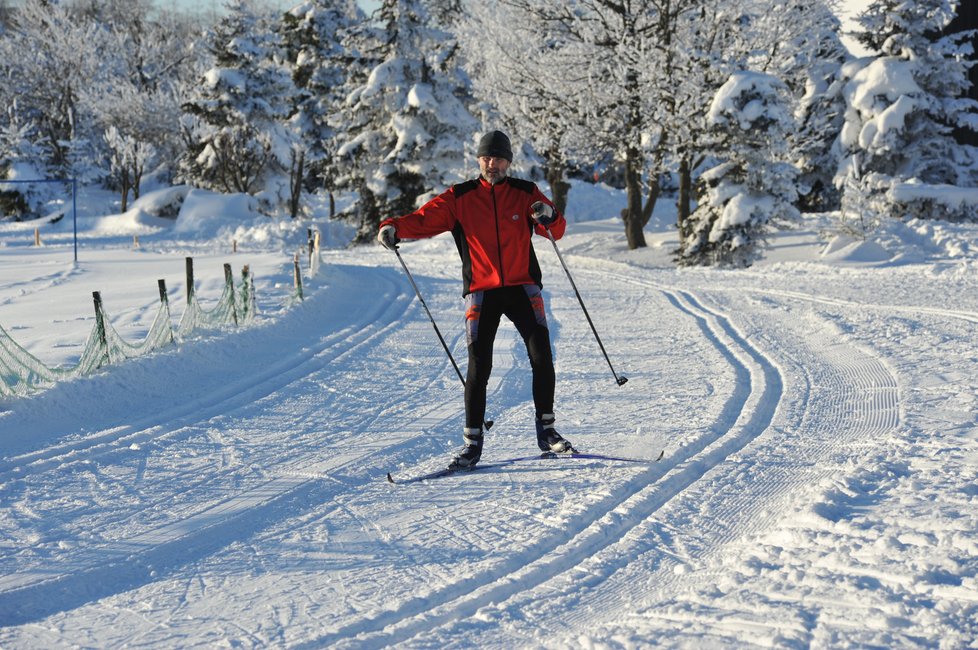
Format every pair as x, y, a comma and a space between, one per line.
499, 239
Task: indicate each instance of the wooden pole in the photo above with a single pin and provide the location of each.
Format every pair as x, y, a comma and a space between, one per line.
229, 281
190, 280
100, 320
297, 272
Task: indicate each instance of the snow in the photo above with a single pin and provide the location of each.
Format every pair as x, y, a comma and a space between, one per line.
726, 103
884, 77
817, 412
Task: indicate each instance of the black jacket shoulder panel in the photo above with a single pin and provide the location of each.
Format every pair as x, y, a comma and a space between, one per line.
461, 188
522, 185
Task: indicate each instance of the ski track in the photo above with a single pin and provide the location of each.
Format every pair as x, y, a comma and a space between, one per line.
238, 392
128, 563
818, 401
842, 398
747, 413
29, 595
611, 561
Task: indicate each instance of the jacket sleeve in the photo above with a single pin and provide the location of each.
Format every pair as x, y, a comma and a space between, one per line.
559, 224
433, 218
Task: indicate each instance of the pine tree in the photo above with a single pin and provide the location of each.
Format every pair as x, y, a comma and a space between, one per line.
903, 106
236, 140
805, 51
405, 126
752, 186
313, 37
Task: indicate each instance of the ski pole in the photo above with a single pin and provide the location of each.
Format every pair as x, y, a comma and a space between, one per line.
487, 423
619, 379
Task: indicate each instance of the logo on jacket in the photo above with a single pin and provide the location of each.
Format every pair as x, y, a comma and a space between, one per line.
516, 217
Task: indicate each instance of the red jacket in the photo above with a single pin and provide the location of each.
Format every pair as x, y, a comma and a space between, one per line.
492, 229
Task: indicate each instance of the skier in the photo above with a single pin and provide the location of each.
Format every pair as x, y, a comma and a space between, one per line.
492, 219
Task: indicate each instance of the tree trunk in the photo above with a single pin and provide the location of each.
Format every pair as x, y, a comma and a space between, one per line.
655, 188
295, 186
632, 215
126, 185
685, 191
559, 188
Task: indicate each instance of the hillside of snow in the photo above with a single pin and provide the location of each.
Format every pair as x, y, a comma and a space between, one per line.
817, 414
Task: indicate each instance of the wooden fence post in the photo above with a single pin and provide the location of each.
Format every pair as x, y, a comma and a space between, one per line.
229, 281
297, 272
190, 280
100, 321
165, 299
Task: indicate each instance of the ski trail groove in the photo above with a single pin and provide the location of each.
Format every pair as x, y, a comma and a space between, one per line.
747, 413
100, 570
270, 377
841, 396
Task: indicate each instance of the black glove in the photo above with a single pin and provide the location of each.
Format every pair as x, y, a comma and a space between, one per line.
543, 214
388, 237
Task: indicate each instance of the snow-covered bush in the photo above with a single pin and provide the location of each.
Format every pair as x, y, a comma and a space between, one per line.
752, 186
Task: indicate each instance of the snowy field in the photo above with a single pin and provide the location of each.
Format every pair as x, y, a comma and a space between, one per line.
819, 486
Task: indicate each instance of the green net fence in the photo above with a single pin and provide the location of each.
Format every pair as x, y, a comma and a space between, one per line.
21, 372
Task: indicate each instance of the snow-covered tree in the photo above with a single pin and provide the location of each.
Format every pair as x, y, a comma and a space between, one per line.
313, 35
46, 57
708, 46
134, 97
404, 128
19, 153
614, 66
807, 53
73, 70
752, 185
237, 141
903, 106
515, 70
128, 160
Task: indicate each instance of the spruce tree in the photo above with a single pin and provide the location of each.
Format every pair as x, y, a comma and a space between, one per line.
236, 140
404, 128
751, 186
902, 108
314, 39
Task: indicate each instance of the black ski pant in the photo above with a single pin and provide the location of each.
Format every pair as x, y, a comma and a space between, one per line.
523, 305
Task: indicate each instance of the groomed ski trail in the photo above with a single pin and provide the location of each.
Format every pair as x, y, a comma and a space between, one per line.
747, 413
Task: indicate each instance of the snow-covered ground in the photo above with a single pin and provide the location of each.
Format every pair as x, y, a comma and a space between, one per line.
818, 415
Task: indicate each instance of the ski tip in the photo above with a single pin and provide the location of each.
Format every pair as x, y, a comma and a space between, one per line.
390, 479
660, 457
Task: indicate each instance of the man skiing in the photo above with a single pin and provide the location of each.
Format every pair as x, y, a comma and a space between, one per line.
492, 219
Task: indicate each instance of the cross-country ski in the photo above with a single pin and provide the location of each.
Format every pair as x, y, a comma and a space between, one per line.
449, 471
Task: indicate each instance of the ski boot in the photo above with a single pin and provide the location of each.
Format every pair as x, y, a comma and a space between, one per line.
548, 439
471, 452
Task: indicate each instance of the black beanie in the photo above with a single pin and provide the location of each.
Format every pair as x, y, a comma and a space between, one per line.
495, 144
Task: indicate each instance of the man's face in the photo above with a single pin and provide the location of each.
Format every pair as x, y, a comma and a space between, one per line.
493, 169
